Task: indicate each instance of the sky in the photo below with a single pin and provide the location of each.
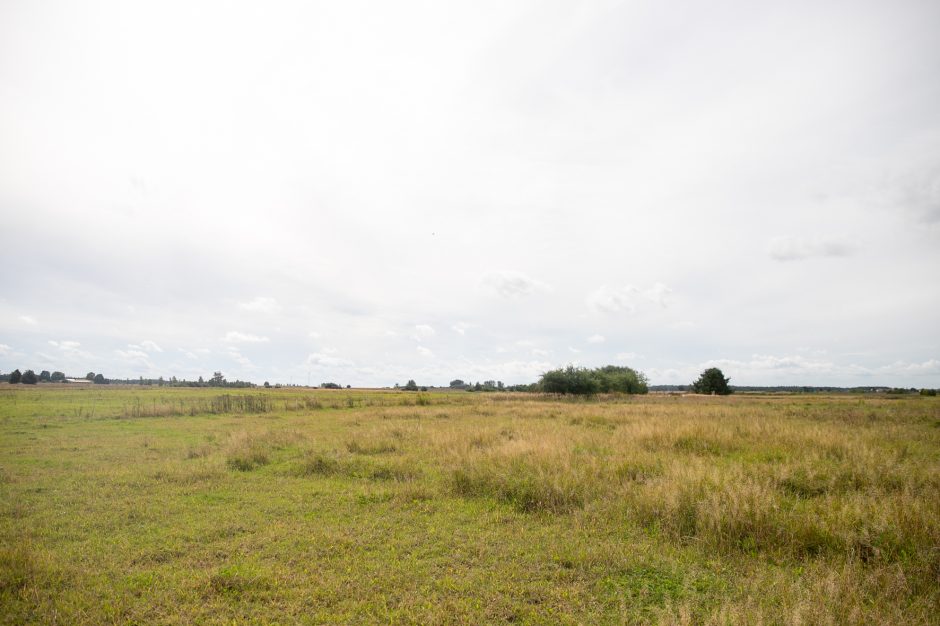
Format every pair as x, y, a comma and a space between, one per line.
371, 192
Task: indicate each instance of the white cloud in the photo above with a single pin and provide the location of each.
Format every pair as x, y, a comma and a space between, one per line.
423, 331
925, 368
234, 336
506, 370
147, 345
574, 350
424, 351
66, 345
234, 354
133, 355
596, 339
261, 304
613, 300
512, 284
801, 248
461, 328
765, 369
27, 319
627, 356
323, 360
5, 350
314, 334
658, 293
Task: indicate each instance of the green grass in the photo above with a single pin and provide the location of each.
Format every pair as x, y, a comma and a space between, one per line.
131, 505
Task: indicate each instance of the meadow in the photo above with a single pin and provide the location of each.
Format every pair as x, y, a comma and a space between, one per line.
173, 505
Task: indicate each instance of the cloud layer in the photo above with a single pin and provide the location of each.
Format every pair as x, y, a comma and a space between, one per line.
372, 192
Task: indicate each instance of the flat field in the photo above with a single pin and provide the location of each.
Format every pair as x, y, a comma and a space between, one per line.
136, 505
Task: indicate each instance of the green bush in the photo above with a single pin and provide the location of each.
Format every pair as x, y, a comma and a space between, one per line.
581, 381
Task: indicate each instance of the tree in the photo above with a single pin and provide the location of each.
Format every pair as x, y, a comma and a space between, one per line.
90, 376
29, 378
58, 377
457, 384
411, 385
45, 376
217, 380
100, 379
712, 381
573, 380
15, 377
267, 385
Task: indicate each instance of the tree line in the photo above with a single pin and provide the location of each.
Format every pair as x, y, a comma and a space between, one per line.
29, 377
583, 381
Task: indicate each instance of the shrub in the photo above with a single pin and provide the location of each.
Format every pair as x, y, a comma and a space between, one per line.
29, 378
586, 382
573, 380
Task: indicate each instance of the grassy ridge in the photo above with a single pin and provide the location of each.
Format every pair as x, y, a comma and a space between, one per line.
191, 505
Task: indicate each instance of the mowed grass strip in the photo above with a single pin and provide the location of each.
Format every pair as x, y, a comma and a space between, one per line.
179, 505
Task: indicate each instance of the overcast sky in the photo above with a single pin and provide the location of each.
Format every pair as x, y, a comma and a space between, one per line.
370, 192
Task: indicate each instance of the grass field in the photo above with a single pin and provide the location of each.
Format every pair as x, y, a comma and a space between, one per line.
131, 505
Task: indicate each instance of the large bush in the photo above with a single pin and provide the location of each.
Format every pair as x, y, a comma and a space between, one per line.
582, 381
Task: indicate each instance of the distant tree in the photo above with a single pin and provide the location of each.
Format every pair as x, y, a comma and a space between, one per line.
57, 377
90, 376
928, 392
267, 385
217, 380
15, 377
570, 380
712, 381
348, 386
201, 381
45, 376
330, 386
500, 385
457, 384
100, 379
614, 378
411, 385
29, 378
424, 388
